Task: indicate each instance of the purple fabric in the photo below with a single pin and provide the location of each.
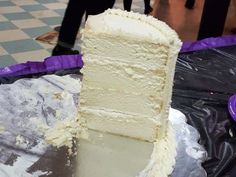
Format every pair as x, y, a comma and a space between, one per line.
209, 43
50, 64
56, 63
232, 106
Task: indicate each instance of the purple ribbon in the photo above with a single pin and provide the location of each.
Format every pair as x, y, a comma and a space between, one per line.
208, 43
50, 64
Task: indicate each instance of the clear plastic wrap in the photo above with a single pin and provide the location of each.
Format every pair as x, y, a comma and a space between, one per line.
204, 82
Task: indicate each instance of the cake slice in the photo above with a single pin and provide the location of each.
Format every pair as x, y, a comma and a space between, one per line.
128, 74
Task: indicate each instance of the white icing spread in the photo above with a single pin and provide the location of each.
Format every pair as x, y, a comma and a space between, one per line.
107, 23
163, 157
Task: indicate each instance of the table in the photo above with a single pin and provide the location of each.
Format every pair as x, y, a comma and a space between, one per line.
204, 81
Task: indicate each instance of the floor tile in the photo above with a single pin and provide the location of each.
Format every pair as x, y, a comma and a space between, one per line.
6, 3
37, 55
52, 20
55, 6
46, 1
30, 8
25, 2
35, 32
10, 9
6, 60
30, 23
2, 51
7, 26
12, 35
2, 18
63, 1
18, 16
60, 11
21, 46
46, 45
44, 14
50, 50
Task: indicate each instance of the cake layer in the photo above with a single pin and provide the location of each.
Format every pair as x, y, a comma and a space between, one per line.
130, 125
107, 155
99, 46
122, 78
121, 101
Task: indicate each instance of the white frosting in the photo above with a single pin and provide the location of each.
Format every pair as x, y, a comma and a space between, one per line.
162, 158
131, 26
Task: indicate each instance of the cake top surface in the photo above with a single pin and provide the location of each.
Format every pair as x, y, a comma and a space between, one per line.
129, 24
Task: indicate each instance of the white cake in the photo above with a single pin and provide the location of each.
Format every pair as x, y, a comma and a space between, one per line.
126, 93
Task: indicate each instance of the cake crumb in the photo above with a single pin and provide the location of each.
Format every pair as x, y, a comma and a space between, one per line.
63, 133
2, 129
20, 140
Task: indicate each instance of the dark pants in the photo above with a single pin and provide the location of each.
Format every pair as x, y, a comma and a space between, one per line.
128, 3
213, 18
74, 14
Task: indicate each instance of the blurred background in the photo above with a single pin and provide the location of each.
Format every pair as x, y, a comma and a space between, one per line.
27, 26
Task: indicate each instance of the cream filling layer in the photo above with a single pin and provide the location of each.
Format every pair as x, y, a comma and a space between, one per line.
122, 77
122, 124
122, 102
151, 56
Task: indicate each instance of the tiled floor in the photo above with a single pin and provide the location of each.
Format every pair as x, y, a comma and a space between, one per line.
20, 22
23, 20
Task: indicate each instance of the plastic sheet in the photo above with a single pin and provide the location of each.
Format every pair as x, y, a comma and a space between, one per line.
38, 102
204, 82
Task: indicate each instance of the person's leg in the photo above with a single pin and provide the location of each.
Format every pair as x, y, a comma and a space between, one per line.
70, 27
233, 30
71, 23
213, 18
72, 20
155, 8
147, 7
127, 4
99, 6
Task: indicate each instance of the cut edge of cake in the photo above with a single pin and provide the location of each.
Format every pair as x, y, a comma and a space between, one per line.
166, 37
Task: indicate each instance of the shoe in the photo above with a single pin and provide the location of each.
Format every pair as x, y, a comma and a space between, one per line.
57, 28
59, 50
148, 10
